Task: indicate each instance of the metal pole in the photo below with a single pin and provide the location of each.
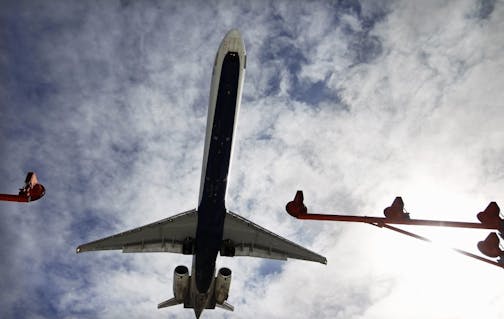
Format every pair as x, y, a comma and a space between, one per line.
405, 221
13, 198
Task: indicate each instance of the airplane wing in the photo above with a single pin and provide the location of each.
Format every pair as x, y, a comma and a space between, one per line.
249, 239
167, 235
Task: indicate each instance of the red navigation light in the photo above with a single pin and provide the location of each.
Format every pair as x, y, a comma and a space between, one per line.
490, 246
296, 207
491, 216
396, 210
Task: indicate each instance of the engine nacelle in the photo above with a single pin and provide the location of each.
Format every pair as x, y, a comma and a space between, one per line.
180, 283
222, 284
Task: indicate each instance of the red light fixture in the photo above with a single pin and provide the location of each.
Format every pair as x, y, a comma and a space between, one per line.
490, 246
296, 207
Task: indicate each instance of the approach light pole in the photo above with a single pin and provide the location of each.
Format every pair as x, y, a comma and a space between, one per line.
489, 219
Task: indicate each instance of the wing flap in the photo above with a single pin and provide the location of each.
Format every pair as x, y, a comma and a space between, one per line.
249, 239
252, 250
166, 235
156, 247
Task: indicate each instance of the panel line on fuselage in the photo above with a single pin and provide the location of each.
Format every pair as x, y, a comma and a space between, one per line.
212, 208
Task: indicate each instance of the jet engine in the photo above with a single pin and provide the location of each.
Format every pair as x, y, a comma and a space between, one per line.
222, 283
180, 283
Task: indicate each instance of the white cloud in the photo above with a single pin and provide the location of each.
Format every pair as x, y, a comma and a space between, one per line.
108, 105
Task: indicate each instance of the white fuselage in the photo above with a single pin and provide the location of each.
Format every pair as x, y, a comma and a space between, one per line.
225, 97
232, 42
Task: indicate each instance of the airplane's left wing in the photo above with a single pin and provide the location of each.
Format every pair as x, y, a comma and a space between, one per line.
248, 239
173, 234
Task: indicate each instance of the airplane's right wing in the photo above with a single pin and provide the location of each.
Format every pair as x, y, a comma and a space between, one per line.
249, 239
173, 234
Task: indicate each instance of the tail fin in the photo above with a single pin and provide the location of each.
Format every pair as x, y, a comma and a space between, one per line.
168, 303
225, 306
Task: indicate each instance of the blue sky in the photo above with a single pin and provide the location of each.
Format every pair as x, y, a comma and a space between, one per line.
353, 102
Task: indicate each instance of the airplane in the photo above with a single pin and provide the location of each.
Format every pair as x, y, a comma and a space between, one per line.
211, 228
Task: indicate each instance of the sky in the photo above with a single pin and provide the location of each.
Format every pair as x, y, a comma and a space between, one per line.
353, 102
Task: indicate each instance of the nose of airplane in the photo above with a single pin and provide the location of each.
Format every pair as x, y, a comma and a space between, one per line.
234, 33
232, 42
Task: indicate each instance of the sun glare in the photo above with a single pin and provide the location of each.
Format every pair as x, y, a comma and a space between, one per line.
432, 270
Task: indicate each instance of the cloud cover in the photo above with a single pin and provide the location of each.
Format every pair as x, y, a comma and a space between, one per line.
353, 102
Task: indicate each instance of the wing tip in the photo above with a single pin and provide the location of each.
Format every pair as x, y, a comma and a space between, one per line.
81, 249
320, 260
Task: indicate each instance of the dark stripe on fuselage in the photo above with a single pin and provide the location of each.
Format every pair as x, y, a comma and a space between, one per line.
212, 208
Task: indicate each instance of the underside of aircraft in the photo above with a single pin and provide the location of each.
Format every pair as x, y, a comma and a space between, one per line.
210, 229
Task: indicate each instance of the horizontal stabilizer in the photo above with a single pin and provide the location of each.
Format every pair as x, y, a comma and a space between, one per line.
225, 306
168, 303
